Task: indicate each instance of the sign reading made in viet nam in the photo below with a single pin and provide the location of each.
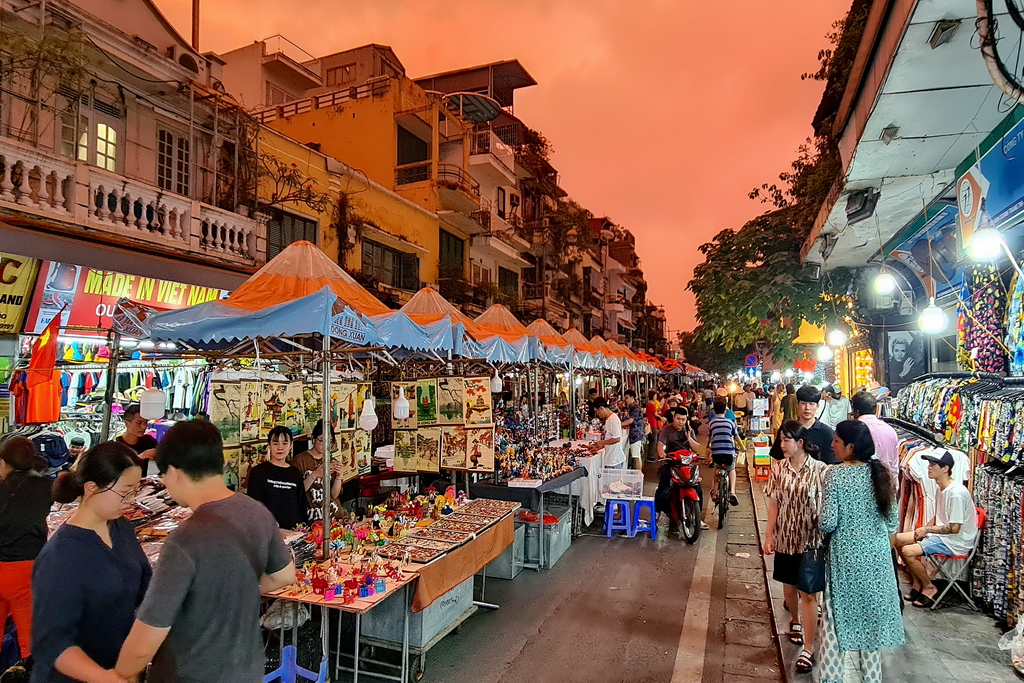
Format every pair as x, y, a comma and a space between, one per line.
17, 275
88, 297
347, 326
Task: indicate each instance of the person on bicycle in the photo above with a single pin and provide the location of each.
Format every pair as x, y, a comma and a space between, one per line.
723, 442
675, 436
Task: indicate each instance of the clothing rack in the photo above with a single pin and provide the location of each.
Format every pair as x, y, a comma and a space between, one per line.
914, 429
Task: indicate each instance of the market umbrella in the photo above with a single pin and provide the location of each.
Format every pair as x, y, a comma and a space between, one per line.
498, 322
556, 347
587, 355
427, 307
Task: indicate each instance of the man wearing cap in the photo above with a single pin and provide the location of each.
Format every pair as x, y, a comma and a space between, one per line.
953, 531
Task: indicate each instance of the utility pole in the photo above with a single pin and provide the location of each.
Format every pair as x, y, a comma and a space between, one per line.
195, 25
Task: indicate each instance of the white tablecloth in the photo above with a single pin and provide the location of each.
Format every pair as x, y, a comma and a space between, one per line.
588, 487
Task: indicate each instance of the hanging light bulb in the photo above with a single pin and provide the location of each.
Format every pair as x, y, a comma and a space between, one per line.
933, 319
836, 338
497, 384
368, 418
152, 403
986, 244
885, 283
825, 353
400, 408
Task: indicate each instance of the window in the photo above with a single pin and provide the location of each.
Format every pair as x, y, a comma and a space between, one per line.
390, 266
106, 147
284, 229
341, 75
452, 261
501, 208
411, 149
172, 163
481, 275
276, 96
74, 137
508, 281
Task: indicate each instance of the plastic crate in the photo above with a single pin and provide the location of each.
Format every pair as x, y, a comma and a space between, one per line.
621, 483
557, 538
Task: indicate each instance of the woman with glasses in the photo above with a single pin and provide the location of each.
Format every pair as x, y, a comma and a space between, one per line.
92, 574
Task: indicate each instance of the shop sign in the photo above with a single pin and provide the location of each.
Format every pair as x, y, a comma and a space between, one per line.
17, 276
990, 192
347, 326
939, 227
89, 297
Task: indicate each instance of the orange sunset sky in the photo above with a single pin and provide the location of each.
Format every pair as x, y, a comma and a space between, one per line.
663, 113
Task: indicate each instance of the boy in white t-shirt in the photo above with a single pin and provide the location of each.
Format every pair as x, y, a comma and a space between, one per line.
614, 455
953, 533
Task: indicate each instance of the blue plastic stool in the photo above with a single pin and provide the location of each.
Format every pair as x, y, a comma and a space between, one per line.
642, 525
624, 524
289, 671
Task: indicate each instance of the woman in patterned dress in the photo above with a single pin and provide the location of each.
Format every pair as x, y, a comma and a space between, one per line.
862, 610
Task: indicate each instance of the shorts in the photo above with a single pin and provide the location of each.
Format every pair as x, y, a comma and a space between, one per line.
728, 460
934, 545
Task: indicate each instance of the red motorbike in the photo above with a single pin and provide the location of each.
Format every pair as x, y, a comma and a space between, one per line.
683, 494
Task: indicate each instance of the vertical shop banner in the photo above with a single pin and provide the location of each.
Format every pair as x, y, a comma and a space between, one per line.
18, 275
88, 296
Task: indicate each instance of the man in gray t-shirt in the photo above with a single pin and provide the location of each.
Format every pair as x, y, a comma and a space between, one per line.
199, 622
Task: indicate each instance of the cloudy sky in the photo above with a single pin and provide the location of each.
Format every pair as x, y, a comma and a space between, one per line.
663, 113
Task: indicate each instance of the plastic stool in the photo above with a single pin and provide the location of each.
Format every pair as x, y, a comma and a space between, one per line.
610, 525
289, 671
642, 525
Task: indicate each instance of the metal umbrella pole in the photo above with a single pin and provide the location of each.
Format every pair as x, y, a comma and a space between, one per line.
328, 429
108, 394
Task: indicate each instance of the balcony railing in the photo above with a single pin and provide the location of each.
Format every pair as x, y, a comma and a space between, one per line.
486, 142
455, 177
128, 210
412, 173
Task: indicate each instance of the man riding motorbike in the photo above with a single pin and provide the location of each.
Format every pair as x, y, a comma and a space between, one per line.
675, 436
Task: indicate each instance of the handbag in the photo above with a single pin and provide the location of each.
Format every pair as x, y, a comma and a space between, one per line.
812, 571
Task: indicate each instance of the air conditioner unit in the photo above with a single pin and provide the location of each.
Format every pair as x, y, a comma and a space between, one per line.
860, 205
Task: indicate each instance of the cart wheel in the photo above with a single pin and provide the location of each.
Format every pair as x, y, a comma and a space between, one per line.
368, 652
416, 668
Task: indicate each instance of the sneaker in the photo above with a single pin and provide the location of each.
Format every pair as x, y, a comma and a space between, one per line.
733, 501
16, 674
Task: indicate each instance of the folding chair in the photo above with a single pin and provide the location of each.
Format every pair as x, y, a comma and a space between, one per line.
959, 571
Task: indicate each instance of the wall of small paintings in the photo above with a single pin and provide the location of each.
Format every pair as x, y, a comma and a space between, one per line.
450, 425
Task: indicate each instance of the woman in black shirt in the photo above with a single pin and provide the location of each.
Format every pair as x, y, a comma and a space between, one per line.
277, 484
24, 503
92, 574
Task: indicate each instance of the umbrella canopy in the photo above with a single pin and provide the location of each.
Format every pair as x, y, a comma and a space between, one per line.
579, 342
498, 320
298, 271
427, 306
541, 329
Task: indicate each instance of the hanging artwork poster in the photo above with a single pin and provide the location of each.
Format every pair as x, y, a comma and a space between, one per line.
273, 407
449, 400
410, 394
453, 447
480, 448
344, 406
231, 457
312, 397
344, 452
252, 411
294, 417
405, 451
226, 411
361, 446
428, 449
478, 401
426, 402
252, 454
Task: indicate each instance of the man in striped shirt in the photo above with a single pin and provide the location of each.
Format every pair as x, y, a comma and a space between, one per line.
723, 440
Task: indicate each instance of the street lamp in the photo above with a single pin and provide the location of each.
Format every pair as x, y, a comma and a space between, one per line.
825, 353
933, 319
836, 338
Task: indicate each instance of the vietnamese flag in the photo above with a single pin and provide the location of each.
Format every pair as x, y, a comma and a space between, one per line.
42, 379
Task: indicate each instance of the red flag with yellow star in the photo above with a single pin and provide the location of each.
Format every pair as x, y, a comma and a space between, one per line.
42, 377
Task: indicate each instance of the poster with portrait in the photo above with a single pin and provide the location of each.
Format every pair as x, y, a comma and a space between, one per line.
362, 447
426, 402
226, 412
428, 449
231, 457
906, 356
252, 411
405, 450
480, 449
251, 454
450, 395
410, 394
344, 452
345, 405
312, 397
478, 401
453, 447
274, 395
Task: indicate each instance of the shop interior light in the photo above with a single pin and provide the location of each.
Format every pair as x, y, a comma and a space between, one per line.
789, 373
986, 244
400, 408
368, 418
146, 345
825, 353
885, 283
152, 403
933, 319
836, 338
776, 376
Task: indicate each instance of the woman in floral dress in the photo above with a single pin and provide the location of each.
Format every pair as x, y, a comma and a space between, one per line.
862, 602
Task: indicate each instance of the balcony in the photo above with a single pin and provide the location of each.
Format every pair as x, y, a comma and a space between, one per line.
408, 174
287, 61
457, 190
491, 159
85, 201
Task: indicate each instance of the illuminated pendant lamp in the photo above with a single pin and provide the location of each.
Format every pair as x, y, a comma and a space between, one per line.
368, 418
497, 384
933, 319
400, 408
152, 403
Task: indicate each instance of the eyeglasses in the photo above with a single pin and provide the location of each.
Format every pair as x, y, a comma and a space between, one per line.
127, 497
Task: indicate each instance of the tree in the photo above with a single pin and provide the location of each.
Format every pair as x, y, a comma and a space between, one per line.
709, 355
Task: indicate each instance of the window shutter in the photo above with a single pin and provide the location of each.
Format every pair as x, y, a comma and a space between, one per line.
410, 272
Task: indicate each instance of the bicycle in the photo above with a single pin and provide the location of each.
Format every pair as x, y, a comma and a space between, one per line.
724, 493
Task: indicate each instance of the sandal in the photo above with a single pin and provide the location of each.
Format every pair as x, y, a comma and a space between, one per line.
913, 595
805, 664
924, 602
796, 633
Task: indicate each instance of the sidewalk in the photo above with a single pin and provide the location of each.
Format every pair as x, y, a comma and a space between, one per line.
951, 643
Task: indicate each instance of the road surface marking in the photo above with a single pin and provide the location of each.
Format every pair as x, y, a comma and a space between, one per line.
689, 666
